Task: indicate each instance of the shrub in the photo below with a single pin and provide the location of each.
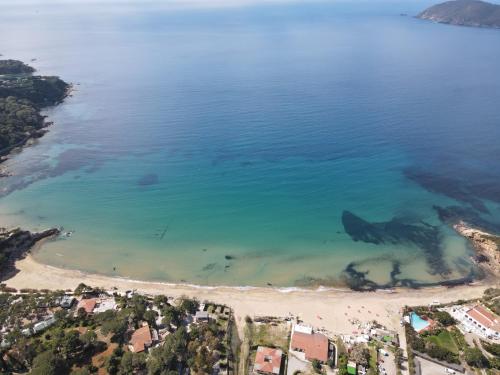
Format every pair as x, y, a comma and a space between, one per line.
474, 357
444, 318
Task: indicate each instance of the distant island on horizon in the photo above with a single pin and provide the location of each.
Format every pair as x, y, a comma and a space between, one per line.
474, 13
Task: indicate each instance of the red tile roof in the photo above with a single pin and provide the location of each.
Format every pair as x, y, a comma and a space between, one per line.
87, 304
315, 345
140, 339
268, 360
485, 317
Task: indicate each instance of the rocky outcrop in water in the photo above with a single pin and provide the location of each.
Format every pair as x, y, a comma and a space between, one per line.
15, 244
482, 234
464, 13
487, 247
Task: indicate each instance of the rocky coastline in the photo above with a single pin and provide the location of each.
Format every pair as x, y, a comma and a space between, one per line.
486, 246
473, 13
15, 244
23, 96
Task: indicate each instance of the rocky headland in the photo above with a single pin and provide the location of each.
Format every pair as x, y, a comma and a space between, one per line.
15, 244
474, 13
487, 247
23, 96
464, 13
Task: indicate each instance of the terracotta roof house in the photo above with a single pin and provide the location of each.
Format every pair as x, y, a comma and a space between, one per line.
484, 319
87, 304
313, 345
268, 360
141, 339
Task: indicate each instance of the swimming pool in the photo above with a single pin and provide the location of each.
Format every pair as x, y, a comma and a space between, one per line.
417, 322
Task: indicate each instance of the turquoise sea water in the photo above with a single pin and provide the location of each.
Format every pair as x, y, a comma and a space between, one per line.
221, 144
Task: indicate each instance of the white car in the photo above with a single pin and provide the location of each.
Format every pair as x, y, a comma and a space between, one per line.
449, 371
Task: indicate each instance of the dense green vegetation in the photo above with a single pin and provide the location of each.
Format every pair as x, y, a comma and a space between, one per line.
431, 344
22, 96
40, 90
81, 343
14, 67
18, 119
491, 299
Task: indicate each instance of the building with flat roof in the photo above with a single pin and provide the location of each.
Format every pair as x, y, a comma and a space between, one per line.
484, 319
268, 361
201, 316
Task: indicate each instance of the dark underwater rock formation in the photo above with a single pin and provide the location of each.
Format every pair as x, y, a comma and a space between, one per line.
465, 191
452, 215
396, 232
148, 179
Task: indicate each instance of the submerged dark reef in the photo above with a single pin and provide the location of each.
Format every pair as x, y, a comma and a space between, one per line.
471, 188
358, 280
398, 232
452, 215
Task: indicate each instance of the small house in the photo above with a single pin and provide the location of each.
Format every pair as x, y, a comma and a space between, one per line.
268, 361
201, 316
141, 339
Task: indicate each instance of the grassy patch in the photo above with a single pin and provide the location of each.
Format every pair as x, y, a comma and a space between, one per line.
445, 340
373, 357
275, 335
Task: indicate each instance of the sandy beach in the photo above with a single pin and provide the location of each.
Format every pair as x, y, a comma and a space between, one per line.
328, 309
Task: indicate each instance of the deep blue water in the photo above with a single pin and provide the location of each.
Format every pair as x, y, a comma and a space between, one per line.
219, 144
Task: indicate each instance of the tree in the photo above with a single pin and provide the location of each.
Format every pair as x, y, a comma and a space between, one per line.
82, 371
189, 305
474, 357
398, 357
444, 318
342, 364
88, 339
81, 288
171, 315
361, 355
316, 365
160, 301
150, 317
47, 363
114, 361
132, 363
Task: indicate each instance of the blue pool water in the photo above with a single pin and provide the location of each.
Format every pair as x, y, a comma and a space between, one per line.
226, 144
417, 322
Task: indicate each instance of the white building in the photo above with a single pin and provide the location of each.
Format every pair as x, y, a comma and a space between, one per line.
484, 320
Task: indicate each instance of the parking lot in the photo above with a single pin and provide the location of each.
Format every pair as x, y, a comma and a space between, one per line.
388, 366
431, 368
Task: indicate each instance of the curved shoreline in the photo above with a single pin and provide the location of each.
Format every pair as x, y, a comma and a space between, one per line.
331, 309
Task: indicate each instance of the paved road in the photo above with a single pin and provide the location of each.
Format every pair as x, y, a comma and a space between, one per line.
389, 364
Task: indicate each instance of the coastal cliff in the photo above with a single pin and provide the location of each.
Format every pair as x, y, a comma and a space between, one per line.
22, 98
464, 13
15, 244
